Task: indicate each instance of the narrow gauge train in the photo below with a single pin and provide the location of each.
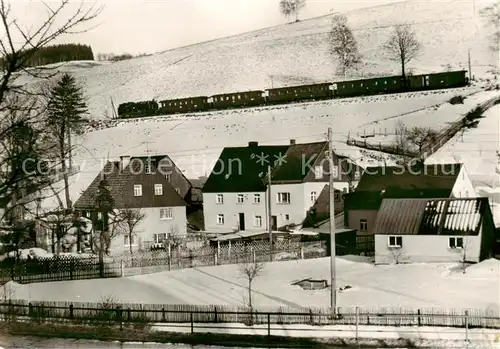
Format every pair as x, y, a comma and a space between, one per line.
291, 94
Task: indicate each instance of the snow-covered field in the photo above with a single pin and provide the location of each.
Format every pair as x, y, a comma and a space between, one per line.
291, 54
408, 286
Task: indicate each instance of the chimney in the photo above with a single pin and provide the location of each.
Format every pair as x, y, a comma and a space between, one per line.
292, 141
253, 144
124, 161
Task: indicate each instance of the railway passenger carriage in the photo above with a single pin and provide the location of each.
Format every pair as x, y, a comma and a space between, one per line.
281, 95
184, 105
299, 93
238, 99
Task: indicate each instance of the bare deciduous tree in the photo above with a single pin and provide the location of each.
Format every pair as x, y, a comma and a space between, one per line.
397, 254
414, 139
21, 134
402, 46
492, 15
126, 222
343, 45
250, 270
292, 7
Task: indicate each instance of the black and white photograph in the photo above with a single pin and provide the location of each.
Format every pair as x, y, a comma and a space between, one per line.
212, 174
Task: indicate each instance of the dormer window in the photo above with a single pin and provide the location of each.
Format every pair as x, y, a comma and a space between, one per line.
148, 167
137, 189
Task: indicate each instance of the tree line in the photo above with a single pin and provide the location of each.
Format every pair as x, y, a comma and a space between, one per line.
55, 54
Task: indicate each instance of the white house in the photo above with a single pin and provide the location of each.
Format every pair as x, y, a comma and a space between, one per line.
134, 186
434, 230
235, 196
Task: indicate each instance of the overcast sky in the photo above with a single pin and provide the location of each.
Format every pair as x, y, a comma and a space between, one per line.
155, 25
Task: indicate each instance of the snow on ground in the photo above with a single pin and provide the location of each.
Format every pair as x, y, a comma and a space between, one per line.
478, 148
409, 285
290, 54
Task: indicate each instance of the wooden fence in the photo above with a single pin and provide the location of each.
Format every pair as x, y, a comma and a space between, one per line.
184, 313
74, 268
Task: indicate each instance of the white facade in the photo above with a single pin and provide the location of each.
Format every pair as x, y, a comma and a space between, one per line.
171, 220
463, 187
289, 204
426, 248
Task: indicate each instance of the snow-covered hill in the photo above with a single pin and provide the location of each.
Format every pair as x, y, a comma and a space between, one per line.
290, 54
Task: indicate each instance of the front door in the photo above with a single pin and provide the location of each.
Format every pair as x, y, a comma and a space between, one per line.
242, 221
274, 223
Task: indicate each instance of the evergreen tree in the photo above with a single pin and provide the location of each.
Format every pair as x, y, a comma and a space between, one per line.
65, 114
103, 208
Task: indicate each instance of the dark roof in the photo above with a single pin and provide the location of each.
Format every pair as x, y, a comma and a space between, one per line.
431, 216
292, 169
121, 183
371, 200
241, 169
436, 177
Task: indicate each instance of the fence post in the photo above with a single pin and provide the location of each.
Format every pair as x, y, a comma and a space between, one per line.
71, 314
215, 313
269, 324
466, 325
215, 259
301, 252
192, 324
419, 318
30, 309
357, 322
163, 314
71, 267
229, 252
169, 257
122, 268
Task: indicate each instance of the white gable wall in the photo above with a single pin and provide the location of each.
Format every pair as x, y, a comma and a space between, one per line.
426, 248
463, 187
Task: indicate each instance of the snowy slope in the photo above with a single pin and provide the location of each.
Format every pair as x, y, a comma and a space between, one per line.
409, 285
290, 54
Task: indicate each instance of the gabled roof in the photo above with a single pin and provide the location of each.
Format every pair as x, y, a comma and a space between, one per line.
371, 200
292, 168
243, 169
121, 182
431, 216
435, 177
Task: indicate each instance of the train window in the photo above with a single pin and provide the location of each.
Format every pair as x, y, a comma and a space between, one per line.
394, 81
295, 91
376, 83
361, 84
239, 96
227, 98
385, 82
352, 85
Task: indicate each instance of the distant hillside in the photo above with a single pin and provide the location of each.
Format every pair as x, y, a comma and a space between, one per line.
289, 54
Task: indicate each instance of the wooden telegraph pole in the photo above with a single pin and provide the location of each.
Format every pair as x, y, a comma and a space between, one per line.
269, 214
333, 290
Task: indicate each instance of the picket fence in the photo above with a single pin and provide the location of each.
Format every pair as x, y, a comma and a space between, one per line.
74, 268
184, 313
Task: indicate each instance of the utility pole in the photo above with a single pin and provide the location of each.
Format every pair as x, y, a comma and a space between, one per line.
470, 67
333, 290
269, 215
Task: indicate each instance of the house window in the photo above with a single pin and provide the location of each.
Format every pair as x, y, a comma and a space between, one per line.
137, 189
220, 199
395, 241
337, 195
168, 176
313, 197
166, 213
256, 198
456, 242
257, 221
128, 240
158, 189
159, 238
239, 198
283, 198
178, 191
335, 171
287, 217
220, 219
318, 172
363, 225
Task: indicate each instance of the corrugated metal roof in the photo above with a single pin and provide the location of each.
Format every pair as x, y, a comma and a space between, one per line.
430, 216
399, 216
